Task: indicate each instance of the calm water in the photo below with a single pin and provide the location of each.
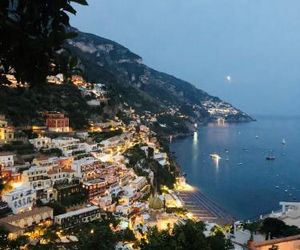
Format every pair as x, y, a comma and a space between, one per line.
243, 182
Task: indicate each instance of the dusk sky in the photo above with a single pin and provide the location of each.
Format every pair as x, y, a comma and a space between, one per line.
256, 42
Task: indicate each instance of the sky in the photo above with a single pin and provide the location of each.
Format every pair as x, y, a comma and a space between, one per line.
255, 42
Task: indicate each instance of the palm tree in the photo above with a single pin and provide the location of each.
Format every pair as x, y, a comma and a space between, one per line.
252, 227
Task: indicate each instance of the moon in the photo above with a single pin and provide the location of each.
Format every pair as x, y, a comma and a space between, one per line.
228, 78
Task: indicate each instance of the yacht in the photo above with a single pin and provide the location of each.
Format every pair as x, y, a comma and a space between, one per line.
270, 157
215, 156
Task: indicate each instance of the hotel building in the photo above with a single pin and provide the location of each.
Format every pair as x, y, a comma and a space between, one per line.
21, 199
77, 217
57, 122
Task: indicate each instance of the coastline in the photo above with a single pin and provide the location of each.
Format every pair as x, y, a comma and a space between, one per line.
201, 206
197, 202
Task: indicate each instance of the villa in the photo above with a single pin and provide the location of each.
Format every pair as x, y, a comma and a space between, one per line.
76, 217
57, 122
29, 218
6, 131
21, 199
7, 159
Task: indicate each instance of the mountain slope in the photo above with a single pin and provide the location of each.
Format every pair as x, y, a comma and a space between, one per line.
143, 88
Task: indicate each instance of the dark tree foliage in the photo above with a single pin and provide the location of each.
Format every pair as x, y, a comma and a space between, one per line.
32, 34
189, 236
275, 228
7, 244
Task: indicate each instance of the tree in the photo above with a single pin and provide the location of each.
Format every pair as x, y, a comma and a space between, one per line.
272, 227
18, 242
188, 236
126, 235
4, 241
33, 33
96, 235
57, 208
252, 227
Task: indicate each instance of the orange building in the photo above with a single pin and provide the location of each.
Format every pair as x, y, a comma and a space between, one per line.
57, 122
287, 243
6, 131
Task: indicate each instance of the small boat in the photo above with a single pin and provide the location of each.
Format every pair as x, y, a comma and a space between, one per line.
270, 157
240, 164
283, 141
256, 136
215, 156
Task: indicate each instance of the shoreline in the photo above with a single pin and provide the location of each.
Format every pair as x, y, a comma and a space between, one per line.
200, 205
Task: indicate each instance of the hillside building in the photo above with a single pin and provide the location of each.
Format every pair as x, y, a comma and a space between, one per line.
77, 217
6, 131
21, 199
57, 122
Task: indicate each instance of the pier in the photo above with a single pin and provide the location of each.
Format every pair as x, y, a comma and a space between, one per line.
203, 208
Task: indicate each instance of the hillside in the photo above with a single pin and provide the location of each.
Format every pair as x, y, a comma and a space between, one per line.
144, 88
165, 103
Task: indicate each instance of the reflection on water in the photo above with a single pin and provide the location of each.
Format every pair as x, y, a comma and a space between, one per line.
243, 175
216, 162
195, 139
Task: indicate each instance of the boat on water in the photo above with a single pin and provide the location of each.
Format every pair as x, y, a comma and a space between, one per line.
270, 157
283, 141
215, 156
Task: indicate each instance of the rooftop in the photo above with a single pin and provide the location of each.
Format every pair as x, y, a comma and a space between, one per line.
6, 153
76, 212
34, 211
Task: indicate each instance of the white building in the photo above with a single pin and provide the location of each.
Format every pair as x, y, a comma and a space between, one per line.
123, 209
20, 199
290, 213
29, 218
36, 178
83, 166
162, 158
80, 216
139, 183
105, 203
46, 162
58, 175
72, 146
41, 142
7, 159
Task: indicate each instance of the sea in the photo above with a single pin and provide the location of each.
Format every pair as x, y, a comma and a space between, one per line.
243, 182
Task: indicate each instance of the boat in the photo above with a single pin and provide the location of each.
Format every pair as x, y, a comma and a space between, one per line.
270, 157
283, 141
215, 156
240, 164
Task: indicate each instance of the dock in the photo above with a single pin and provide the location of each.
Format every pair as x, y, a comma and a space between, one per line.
203, 208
